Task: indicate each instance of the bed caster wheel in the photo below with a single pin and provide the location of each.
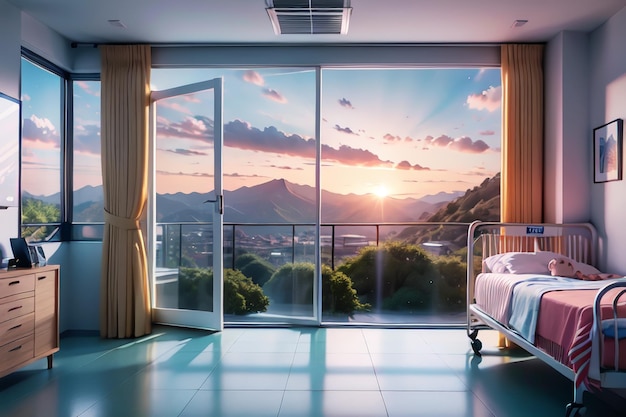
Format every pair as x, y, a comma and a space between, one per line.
575, 410
477, 345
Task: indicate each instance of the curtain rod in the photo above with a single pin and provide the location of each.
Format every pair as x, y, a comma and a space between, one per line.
343, 44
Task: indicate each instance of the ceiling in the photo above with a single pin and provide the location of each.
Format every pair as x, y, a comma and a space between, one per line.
371, 21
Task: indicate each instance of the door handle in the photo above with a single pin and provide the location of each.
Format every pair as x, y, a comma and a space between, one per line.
220, 201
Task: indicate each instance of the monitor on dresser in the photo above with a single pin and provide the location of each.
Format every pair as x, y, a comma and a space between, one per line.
21, 253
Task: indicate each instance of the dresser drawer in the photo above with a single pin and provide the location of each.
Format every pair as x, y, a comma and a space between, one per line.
16, 328
17, 305
16, 352
16, 285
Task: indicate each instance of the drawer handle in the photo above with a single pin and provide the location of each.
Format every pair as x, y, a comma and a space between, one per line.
41, 278
16, 348
15, 327
14, 283
15, 308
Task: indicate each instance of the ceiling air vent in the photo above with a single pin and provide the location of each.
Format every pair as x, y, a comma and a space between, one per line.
297, 17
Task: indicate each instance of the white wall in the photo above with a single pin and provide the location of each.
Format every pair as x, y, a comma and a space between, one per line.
607, 60
567, 164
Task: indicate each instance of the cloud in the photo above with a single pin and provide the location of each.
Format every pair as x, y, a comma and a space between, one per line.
187, 174
196, 128
239, 134
487, 133
463, 144
344, 102
286, 167
87, 88
173, 105
253, 77
487, 100
42, 131
185, 152
274, 95
406, 166
345, 130
441, 141
87, 139
466, 145
391, 138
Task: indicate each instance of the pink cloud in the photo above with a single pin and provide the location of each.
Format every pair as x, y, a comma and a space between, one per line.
344, 102
406, 166
345, 130
274, 95
253, 77
463, 144
489, 99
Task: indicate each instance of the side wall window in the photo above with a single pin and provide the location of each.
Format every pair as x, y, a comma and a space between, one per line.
42, 139
86, 170
61, 176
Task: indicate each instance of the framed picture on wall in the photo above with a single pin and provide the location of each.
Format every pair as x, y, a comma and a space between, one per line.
607, 151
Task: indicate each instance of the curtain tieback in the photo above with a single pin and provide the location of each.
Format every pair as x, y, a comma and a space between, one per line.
121, 222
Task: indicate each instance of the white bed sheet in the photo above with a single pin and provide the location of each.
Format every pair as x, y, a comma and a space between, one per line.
493, 293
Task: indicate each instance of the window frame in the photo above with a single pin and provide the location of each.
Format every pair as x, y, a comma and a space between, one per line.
66, 227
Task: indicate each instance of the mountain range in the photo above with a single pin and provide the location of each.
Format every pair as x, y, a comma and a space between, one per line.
276, 201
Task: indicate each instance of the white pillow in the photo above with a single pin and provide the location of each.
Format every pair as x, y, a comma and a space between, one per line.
530, 263
494, 263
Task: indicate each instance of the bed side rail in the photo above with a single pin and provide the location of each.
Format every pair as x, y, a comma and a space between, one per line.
613, 326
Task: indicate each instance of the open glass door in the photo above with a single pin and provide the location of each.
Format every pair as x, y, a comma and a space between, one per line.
186, 207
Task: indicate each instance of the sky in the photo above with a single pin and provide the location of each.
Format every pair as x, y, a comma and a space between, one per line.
395, 132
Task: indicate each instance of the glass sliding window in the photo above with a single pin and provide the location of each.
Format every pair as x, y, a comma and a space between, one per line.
406, 155
88, 198
42, 133
269, 189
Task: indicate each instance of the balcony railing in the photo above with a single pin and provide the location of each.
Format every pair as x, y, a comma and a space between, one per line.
427, 289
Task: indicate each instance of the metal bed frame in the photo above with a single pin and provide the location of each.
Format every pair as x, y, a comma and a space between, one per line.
578, 241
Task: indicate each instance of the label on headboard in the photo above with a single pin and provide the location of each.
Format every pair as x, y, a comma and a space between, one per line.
534, 230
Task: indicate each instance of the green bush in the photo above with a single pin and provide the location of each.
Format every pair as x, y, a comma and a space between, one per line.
254, 267
452, 283
386, 269
401, 276
338, 296
246, 296
293, 284
241, 295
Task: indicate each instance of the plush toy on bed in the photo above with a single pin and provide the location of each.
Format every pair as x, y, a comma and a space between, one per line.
563, 267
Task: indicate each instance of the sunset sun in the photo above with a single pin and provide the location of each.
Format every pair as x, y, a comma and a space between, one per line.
381, 191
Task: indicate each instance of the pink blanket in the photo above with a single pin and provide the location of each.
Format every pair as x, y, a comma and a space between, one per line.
564, 330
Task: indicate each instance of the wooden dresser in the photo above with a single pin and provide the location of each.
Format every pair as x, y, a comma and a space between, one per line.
29, 316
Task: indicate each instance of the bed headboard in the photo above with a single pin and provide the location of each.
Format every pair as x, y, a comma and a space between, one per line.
577, 240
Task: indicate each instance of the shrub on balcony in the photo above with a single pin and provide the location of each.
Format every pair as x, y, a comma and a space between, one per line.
338, 296
254, 267
404, 277
293, 284
241, 295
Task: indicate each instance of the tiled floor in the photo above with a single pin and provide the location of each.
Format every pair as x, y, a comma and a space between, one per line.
291, 372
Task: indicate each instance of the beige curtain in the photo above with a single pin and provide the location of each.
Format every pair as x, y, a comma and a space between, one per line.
521, 193
124, 291
522, 133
